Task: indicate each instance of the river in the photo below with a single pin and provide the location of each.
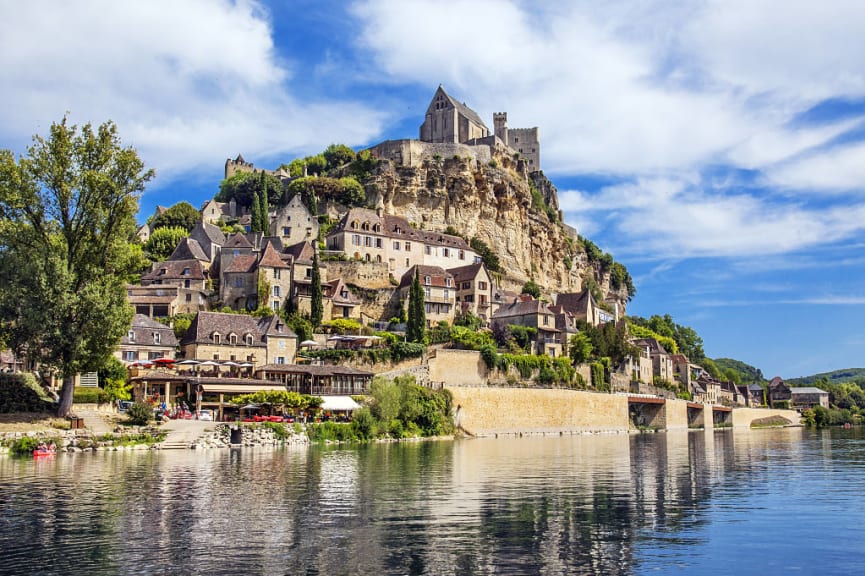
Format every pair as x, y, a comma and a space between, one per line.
730, 502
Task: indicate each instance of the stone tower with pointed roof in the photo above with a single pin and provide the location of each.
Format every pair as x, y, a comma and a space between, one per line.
449, 121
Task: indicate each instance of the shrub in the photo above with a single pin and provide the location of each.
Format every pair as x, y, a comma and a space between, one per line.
279, 430
363, 424
139, 414
89, 395
21, 393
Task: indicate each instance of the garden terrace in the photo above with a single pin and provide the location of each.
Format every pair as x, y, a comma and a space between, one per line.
318, 380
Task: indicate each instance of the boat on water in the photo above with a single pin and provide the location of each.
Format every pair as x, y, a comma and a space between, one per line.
37, 453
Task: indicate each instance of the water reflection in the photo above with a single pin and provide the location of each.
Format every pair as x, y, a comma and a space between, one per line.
687, 502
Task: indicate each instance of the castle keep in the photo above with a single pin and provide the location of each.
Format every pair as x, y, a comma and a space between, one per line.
451, 128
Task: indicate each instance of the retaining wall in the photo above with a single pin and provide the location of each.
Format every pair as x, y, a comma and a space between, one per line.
743, 417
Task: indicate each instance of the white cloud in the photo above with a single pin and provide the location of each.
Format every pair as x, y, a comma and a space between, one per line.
188, 83
837, 169
632, 87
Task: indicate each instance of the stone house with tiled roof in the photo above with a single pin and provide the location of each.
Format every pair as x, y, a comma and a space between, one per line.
662, 364
474, 290
293, 222
338, 300
214, 212
584, 307
239, 338
535, 314
188, 276
239, 287
276, 271
370, 235
210, 238
154, 301
190, 249
778, 393
146, 339
439, 292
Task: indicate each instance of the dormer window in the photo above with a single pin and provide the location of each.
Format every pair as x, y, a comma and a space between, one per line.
448, 282
131, 335
163, 271
217, 338
364, 226
248, 338
157, 338
376, 228
187, 272
354, 224
426, 280
232, 339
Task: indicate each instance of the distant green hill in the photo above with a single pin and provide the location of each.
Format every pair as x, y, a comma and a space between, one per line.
834, 377
747, 373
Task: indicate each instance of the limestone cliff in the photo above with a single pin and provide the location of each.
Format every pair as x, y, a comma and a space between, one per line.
494, 202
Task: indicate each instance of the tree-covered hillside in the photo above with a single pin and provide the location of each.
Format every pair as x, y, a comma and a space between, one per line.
747, 373
835, 377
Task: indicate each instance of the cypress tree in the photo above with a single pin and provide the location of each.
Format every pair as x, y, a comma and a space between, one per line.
264, 226
255, 215
416, 324
316, 305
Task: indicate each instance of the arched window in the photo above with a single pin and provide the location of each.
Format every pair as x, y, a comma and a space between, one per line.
376, 228
354, 224
378, 258
367, 258
364, 226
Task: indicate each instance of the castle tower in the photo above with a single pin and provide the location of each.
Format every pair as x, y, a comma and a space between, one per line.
500, 125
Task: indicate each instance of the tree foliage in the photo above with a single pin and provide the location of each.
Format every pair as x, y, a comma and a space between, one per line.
346, 191
608, 341
337, 155
490, 259
242, 186
163, 241
532, 289
316, 301
687, 340
67, 212
182, 215
580, 348
416, 324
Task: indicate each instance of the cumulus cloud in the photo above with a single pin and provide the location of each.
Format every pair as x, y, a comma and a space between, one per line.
188, 83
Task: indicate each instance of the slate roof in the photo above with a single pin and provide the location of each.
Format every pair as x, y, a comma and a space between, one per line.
173, 270
205, 324
238, 241
243, 263
653, 345
807, 390
463, 109
395, 227
333, 290
776, 381
143, 329
465, 273
301, 251
212, 232
271, 258
576, 302
153, 294
189, 249
523, 308
438, 276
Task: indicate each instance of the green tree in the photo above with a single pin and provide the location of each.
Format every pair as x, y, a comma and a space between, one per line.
416, 323
182, 215
264, 209
299, 325
532, 289
316, 303
242, 186
163, 241
490, 260
338, 155
67, 212
255, 212
580, 348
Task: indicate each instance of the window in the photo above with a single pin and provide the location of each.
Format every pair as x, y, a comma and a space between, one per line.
235, 252
154, 355
408, 246
427, 292
367, 241
232, 339
407, 262
186, 272
376, 228
448, 282
364, 226
427, 250
130, 355
482, 285
426, 280
466, 286
248, 339
238, 282
428, 307
277, 291
216, 356
355, 239
343, 293
187, 283
309, 272
396, 245
354, 224
447, 252
546, 320
276, 273
286, 230
189, 297
275, 306
280, 360
378, 243
462, 254
157, 338
131, 335
217, 338
447, 294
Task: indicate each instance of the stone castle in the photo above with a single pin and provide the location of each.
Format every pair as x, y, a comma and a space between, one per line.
451, 128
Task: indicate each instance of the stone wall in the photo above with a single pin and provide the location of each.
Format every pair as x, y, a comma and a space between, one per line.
494, 411
413, 152
743, 417
458, 367
373, 275
677, 414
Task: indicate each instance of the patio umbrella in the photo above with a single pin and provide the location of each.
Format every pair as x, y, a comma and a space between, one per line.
164, 361
230, 363
189, 362
246, 365
308, 343
208, 363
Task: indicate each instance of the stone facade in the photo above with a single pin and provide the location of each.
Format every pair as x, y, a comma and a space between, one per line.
439, 293
448, 120
294, 223
146, 340
414, 153
457, 367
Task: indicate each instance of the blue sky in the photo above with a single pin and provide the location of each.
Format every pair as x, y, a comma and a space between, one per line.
717, 148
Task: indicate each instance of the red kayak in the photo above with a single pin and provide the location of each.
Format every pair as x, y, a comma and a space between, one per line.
44, 452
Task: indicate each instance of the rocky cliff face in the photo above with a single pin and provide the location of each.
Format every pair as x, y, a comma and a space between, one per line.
494, 203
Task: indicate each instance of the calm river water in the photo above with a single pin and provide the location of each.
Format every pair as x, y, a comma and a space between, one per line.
750, 502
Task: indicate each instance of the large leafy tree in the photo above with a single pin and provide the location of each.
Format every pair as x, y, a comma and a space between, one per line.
416, 324
67, 216
163, 241
242, 186
316, 302
181, 215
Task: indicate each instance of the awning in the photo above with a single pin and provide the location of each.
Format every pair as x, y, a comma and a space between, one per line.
241, 388
339, 403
